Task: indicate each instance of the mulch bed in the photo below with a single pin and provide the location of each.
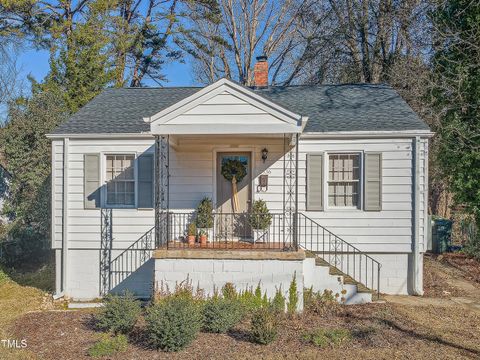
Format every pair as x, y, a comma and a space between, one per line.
379, 332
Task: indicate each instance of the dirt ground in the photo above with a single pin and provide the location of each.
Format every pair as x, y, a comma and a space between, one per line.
431, 327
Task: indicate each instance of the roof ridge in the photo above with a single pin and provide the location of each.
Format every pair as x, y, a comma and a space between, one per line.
154, 87
253, 88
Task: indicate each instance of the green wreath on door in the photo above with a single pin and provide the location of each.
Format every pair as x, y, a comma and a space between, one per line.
234, 171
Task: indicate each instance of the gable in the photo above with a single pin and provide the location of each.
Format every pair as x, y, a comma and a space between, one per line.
225, 108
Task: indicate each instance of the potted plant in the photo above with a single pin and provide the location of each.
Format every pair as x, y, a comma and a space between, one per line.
203, 238
191, 232
259, 219
204, 220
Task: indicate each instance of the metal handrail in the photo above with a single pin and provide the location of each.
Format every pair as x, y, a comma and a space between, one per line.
227, 231
130, 259
338, 253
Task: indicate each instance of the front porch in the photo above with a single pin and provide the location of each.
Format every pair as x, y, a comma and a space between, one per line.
229, 231
241, 141
231, 221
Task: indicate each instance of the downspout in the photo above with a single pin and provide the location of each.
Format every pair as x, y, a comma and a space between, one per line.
416, 271
64, 218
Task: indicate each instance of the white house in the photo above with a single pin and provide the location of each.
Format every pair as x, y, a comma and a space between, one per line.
342, 169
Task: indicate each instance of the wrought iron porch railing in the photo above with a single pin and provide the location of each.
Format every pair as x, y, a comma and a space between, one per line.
338, 253
229, 231
131, 258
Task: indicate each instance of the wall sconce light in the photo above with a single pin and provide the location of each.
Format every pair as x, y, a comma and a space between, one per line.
264, 154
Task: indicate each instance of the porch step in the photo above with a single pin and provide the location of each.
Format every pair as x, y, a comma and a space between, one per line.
344, 278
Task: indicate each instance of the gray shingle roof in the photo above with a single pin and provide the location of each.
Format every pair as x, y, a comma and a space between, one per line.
351, 107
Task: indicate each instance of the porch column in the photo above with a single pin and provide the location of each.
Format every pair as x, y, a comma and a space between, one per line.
290, 193
162, 158
295, 213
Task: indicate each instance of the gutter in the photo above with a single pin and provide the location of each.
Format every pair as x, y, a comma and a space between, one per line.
367, 134
416, 271
101, 136
304, 135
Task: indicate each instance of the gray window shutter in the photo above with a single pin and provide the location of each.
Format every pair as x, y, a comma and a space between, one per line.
314, 181
373, 181
91, 181
145, 181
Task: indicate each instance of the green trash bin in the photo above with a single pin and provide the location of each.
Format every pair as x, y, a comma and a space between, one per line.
441, 235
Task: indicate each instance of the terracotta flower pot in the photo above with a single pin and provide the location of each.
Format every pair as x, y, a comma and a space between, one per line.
191, 240
203, 240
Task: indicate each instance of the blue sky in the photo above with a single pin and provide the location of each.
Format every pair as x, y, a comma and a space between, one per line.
35, 62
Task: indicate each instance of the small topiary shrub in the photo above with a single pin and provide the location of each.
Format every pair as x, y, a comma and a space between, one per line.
264, 326
327, 337
260, 217
221, 314
292, 296
108, 346
205, 214
120, 314
174, 322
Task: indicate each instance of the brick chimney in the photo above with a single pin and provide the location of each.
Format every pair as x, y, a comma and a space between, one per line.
260, 72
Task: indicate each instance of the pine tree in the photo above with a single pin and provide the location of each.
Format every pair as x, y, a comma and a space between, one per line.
457, 96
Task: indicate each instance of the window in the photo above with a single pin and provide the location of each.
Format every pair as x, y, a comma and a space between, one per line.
343, 180
120, 180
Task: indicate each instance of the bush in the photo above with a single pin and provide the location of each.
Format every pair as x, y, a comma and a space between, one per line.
253, 300
327, 337
471, 238
278, 303
229, 292
174, 322
321, 303
260, 217
264, 326
120, 313
108, 346
293, 296
192, 229
204, 214
221, 314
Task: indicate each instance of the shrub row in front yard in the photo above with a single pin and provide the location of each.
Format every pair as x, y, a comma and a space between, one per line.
173, 320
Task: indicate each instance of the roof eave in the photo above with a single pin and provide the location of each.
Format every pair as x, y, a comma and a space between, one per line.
100, 135
367, 134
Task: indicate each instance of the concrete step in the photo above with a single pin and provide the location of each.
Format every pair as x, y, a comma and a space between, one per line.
338, 282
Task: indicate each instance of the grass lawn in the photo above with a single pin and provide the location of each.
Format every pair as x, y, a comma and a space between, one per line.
15, 301
417, 330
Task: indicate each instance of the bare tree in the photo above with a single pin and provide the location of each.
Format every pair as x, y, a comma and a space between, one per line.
360, 40
226, 44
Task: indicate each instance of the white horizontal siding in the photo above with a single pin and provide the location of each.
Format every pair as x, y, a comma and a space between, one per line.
84, 225
57, 194
192, 178
225, 109
389, 230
